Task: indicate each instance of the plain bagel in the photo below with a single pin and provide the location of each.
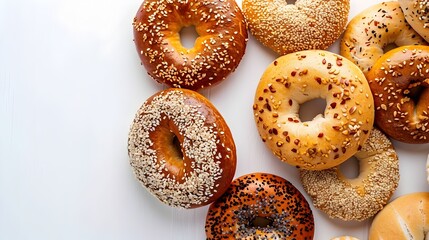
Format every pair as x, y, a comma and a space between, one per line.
372, 30
406, 218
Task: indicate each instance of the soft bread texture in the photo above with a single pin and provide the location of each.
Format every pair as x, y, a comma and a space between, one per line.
260, 195
406, 218
345, 238
416, 13
327, 140
287, 28
204, 166
217, 51
369, 32
362, 197
399, 81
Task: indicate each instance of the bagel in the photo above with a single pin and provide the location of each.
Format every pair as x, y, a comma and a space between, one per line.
416, 13
260, 206
427, 167
362, 197
181, 149
287, 28
369, 32
327, 140
399, 81
403, 219
217, 51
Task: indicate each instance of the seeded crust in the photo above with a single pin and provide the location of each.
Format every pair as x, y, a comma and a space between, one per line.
217, 51
407, 217
260, 195
287, 28
345, 238
360, 198
372, 30
417, 15
394, 80
327, 140
207, 166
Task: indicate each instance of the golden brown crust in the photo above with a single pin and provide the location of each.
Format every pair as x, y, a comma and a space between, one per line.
416, 13
325, 141
407, 217
217, 51
362, 197
394, 81
260, 195
287, 28
369, 32
206, 165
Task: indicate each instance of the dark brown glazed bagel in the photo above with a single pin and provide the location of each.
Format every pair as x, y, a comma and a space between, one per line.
181, 149
397, 79
260, 206
217, 51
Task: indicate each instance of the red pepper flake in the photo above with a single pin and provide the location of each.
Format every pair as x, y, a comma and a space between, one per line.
365, 131
255, 106
296, 141
260, 98
290, 102
294, 150
318, 80
329, 86
275, 63
329, 65
335, 149
339, 63
324, 61
336, 128
333, 105
275, 132
320, 135
335, 115
265, 90
285, 133
293, 73
343, 149
336, 156
287, 85
272, 89
359, 148
290, 119
287, 139
296, 121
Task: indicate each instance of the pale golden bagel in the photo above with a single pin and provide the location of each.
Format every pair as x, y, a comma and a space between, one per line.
327, 140
417, 15
372, 30
287, 28
405, 218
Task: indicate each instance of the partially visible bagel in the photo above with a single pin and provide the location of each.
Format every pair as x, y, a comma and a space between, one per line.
372, 30
406, 218
417, 15
305, 25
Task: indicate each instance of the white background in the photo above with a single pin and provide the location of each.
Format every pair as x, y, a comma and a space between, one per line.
70, 84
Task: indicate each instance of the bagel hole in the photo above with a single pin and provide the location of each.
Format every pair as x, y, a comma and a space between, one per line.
389, 47
261, 222
177, 148
414, 93
310, 109
350, 168
188, 36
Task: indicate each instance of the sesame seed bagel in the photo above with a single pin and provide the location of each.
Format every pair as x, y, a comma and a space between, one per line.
399, 82
287, 28
362, 197
327, 140
181, 149
260, 206
417, 15
372, 30
345, 238
403, 219
217, 51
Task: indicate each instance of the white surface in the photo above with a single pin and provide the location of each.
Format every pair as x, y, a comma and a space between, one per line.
70, 84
